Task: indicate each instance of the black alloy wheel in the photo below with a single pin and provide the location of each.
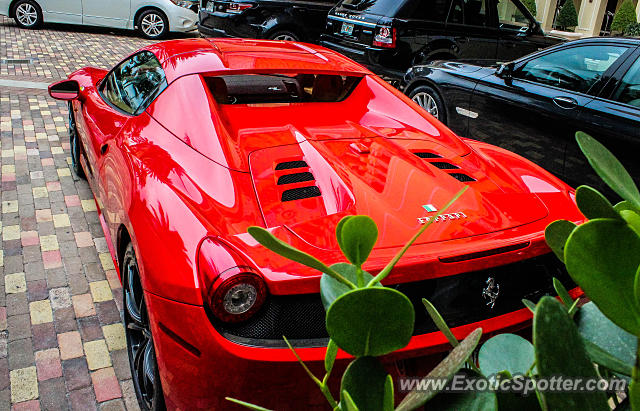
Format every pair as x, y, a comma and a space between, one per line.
142, 355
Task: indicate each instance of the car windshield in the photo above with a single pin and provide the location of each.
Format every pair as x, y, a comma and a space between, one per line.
280, 88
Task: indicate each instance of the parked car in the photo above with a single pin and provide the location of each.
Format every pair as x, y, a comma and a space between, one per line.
187, 143
153, 19
389, 36
295, 20
534, 106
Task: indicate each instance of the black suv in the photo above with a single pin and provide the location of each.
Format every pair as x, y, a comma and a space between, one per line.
264, 19
389, 36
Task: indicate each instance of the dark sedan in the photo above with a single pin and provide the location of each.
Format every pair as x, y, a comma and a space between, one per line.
534, 105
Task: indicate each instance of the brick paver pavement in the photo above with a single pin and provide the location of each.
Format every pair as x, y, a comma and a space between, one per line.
62, 344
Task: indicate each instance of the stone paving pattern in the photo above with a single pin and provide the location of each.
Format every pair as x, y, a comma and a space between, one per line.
62, 344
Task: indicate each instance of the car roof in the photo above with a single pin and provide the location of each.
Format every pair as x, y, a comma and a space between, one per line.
635, 41
225, 56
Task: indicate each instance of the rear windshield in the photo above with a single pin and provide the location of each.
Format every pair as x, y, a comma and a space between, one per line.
280, 88
389, 8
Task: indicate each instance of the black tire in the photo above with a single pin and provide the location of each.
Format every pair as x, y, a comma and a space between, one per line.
153, 24
140, 346
74, 142
27, 14
429, 99
285, 35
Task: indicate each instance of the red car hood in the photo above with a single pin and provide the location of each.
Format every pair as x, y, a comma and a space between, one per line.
395, 181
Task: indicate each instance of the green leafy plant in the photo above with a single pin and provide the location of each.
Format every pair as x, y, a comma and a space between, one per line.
632, 30
625, 16
603, 258
531, 5
568, 17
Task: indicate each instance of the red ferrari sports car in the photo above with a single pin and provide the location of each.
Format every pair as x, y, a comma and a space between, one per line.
187, 143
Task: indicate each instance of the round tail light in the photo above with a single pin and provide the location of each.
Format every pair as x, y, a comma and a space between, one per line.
231, 289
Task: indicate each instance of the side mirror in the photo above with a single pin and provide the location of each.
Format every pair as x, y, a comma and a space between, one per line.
505, 71
65, 90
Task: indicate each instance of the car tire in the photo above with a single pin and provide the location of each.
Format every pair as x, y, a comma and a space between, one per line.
284, 35
429, 99
74, 143
140, 345
27, 14
153, 24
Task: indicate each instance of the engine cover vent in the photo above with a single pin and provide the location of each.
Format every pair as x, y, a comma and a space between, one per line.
462, 177
300, 193
288, 165
426, 154
295, 178
443, 165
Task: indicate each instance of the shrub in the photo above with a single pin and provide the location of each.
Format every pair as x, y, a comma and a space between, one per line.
568, 17
632, 30
625, 16
531, 5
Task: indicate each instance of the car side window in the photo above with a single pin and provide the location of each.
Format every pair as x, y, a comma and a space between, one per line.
574, 69
133, 84
510, 16
468, 12
431, 10
628, 91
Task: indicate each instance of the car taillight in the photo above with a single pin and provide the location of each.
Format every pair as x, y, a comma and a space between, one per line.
385, 36
231, 289
237, 8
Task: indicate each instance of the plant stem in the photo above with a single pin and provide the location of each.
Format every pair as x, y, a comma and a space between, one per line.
360, 277
385, 271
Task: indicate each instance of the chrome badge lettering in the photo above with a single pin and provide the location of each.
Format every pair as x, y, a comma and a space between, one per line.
443, 217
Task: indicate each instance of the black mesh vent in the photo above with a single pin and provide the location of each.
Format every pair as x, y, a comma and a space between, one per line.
301, 318
442, 165
426, 154
462, 177
291, 164
300, 193
295, 178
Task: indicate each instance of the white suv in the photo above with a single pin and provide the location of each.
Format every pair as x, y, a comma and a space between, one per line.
152, 18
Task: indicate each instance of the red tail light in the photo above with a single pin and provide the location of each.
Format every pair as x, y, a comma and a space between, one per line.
231, 289
237, 8
385, 36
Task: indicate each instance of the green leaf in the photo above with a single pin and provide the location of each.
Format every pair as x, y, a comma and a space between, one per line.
330, 356
625, 205
269, 241
347, 404
371, 321
467, 401
339, 230
599, 330
632, 218
593, 204
606, 360
365, 379
516, 401
440, 323
608, 168
331, 289
446, 369
562, 293
247, 405
506, 352
634, 395
560, 351
601, 256
530, 305
389, 398
557, 234
387, 269
358, 236
636, 286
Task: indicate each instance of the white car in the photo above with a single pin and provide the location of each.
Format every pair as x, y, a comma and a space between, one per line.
152, 18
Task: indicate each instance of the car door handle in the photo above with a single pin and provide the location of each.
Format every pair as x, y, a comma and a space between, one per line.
104, 149
566, 103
